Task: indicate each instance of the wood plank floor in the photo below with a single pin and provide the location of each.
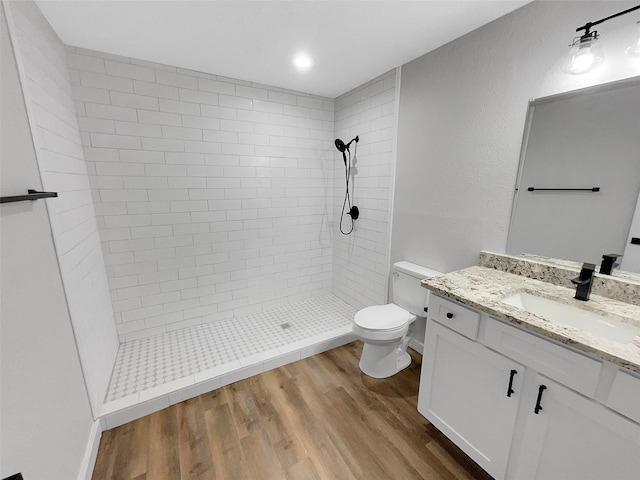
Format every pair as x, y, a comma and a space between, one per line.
319, 418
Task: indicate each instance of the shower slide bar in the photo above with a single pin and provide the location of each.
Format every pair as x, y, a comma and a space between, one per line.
32, 195
592, 189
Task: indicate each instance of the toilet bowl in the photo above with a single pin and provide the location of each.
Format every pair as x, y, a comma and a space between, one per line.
386, 330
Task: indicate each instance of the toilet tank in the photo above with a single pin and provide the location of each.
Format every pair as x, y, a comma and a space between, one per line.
406, 290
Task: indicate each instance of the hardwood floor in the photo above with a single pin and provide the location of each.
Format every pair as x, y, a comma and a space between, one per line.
319, 418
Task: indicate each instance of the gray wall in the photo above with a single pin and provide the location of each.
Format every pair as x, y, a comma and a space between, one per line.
45, 412
461, 120
41, 62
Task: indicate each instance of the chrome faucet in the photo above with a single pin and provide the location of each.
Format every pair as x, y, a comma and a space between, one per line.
584, 281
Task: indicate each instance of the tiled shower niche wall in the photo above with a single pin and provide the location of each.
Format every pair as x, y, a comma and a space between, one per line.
212, 195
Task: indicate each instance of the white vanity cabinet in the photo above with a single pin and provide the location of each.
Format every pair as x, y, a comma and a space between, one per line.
473, 396
550, 426
573, 437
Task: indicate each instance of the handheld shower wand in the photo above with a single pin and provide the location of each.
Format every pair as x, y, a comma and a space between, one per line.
341, 148
340, 145
353, 212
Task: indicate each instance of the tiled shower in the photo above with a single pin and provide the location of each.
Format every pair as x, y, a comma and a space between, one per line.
216, 200
212, 196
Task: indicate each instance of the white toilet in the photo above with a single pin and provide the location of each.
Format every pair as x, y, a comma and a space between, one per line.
386, 329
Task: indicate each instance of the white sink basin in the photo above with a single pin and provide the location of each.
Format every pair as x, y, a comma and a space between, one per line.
562, 314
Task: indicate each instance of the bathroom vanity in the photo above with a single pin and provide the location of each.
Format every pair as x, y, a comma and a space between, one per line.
524, 396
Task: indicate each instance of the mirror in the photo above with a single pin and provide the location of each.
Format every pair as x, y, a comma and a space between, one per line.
577, 193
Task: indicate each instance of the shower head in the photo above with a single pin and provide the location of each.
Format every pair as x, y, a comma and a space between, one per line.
342, 147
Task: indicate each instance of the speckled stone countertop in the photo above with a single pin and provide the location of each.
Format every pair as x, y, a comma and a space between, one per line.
622, 286
484, 288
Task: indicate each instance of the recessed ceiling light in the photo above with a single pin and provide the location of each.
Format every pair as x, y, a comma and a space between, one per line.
302, 62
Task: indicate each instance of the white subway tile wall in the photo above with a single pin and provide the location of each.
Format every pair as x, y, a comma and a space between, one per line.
50, 106
361, 260
213, 196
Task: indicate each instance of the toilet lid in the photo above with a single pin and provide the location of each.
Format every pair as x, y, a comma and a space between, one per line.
382, 317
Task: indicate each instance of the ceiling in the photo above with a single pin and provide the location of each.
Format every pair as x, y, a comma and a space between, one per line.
351, 42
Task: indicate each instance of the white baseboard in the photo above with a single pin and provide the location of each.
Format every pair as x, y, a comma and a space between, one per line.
91, 452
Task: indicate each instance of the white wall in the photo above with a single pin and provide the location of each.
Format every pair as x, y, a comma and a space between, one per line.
361, 259
461, 120
212, 194
45, 415
41, 63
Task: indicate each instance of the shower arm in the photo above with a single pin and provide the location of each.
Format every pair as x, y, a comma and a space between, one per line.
356, 139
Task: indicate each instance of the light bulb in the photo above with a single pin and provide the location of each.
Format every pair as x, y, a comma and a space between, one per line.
582, 61
302, 62
585, 55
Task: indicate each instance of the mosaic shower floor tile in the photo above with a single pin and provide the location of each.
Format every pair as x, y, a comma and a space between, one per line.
147, 363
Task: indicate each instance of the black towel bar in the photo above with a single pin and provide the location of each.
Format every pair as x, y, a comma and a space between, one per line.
32, 195
592, 189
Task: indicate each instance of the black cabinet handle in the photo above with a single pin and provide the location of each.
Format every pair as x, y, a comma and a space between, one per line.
449, 315
541, 389
510, 390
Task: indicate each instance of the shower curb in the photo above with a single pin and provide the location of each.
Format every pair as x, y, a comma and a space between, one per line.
129, 408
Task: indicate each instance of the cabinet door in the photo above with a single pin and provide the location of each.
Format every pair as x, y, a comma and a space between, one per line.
463, 393
573, 437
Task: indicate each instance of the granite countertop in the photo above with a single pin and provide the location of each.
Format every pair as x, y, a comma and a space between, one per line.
484, 288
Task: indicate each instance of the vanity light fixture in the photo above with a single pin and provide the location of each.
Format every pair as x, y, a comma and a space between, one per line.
586, 52
634, 47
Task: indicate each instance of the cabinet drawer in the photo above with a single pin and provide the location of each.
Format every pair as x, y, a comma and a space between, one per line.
625, 395
453, 315
557, 362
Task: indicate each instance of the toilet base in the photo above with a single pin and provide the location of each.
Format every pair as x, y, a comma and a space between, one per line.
382, 361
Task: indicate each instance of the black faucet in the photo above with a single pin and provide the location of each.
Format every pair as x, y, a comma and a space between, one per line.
608, 263
584, 281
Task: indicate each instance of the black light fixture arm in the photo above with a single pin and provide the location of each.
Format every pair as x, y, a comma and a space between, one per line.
589, 25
